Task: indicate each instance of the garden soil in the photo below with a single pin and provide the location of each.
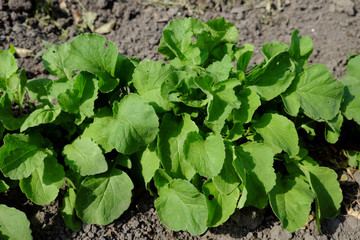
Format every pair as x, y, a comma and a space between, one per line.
136, 28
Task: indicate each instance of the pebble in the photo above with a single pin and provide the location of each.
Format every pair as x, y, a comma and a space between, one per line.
279, 234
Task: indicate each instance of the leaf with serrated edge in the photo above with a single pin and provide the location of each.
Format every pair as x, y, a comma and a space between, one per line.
103, 198
40, 116
181, 206
13, 224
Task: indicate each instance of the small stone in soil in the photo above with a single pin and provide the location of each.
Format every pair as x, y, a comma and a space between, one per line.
279, 234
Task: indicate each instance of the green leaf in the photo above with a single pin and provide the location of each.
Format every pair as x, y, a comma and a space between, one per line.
350, 107
99, 130
324, 185
272, 49
16, 87
270, 80
291, 200
80, 99
129, 131
13, 224
228, 179
150, 78
206, 156
301, 48
250, 101
38, 90
85, 157
103, 198
180, 206
243, 55
254, 164
220, 70
8, 65
316, 92
333, 128
54, 61
161, 180
221, 206
7, 118
68, 212
42, 187
21, 155
352, 68
172, 136
40, 116
279, 133
3, 186
92, 53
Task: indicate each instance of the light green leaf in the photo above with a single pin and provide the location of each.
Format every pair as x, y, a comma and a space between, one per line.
21, 155
333, 128
16, 87
135, 124
324, 185
92, 53
220, 70
270, 80
206, 156
243, 55
172, 136
103, 198
301, 48
180, 206
350, 107
80, 99
3, 186
7, 118
250, 101
99, 130
271, 49
161, 180
42, 187
54, 61
254, 164
228, 179
13, 224
8, 65
40, 116
291, 200
279, 133
38, 90
68, 212
221, 206
85, 157
352, 68
318, 94
150, 78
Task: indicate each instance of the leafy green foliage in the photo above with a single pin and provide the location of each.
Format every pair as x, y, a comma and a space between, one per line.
202, 131
13, 224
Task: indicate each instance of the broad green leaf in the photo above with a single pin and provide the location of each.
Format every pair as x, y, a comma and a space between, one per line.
350, 107
147, 163
13, 224
324, 185
135, 124
352, 68
250, 101
161, 180
291, 199
92, 53
125, 68
316, 92
21, 155
243, 55
8, 65
301, 48
206, 156
271, 49
103, 198
7, 117
38, 90
333, 128
227, 180
172, 136
60, 86
221, 206
254, 164
40, 116
220, 70
54, 61
279, 133
235, 133
150, 78
270, 80
3, 186
181, 206
80, 99
42, 187
68, 212
99, 130
16, 87
85, 157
